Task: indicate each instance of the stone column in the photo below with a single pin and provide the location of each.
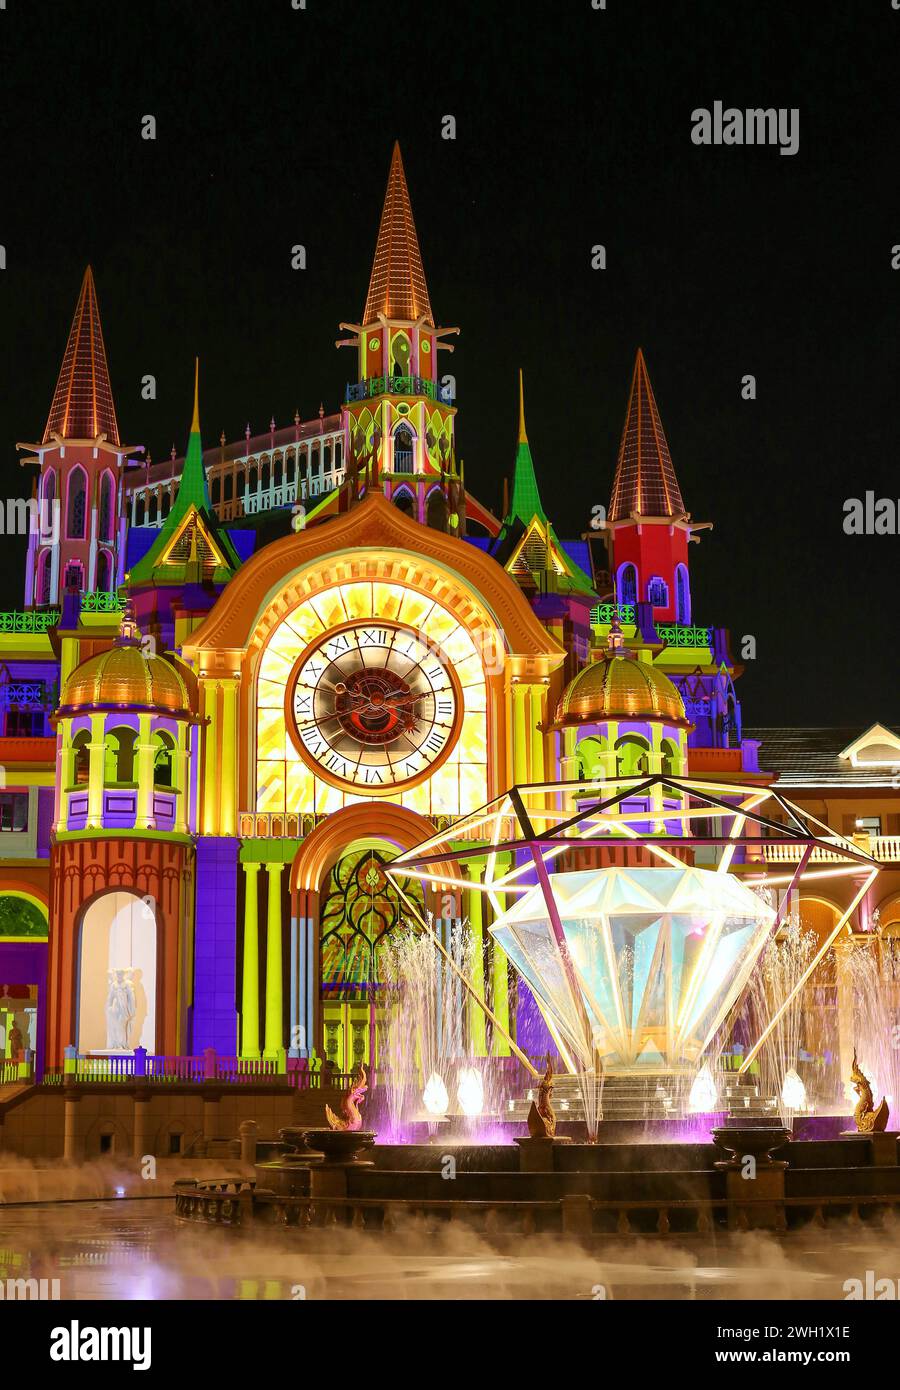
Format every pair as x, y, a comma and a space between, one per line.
141, 1125
228, 778
274, 1043
210, 818
96, 771
145, 750
182, 779
500, 983
538, 697
73, 1144
520, 733
250, 984
247, 1129
476, 928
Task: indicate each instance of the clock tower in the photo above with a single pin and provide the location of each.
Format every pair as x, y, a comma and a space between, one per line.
398, 415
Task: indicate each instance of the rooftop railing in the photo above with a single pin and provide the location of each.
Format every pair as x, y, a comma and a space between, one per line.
398, 386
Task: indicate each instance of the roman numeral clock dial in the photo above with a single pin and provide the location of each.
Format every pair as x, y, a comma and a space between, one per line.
373, 708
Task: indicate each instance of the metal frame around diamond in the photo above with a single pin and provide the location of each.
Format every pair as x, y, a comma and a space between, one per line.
540, 821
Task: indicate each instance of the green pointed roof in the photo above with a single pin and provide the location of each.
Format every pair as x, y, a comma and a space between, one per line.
526, 499
526, 508
160, 565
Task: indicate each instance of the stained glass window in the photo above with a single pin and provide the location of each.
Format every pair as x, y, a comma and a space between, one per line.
359, 911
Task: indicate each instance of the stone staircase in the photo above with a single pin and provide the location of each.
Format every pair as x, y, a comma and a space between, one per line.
653, 1096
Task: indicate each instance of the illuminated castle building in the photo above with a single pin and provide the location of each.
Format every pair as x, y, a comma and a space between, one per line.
214, 741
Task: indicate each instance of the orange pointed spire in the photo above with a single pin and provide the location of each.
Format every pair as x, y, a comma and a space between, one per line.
397, 288
645, 481
82, 403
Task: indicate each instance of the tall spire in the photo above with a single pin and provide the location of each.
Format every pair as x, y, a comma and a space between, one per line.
82, 403
645, 481
190, 544
193, 486
526, 499
397, 287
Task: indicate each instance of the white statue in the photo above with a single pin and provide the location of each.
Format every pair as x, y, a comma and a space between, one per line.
120, 1009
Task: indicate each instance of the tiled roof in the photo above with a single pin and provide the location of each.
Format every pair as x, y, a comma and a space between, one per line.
82, 403
397, 288
645, 479
810, 757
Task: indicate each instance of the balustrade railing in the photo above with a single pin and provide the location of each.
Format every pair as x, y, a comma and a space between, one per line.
885, 848
12, 1071
398, 386
154, 1069
37, 620
237, 1202
101, 602
684, 635
604, 613
34, 620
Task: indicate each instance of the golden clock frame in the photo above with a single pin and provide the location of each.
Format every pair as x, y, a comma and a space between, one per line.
358, 788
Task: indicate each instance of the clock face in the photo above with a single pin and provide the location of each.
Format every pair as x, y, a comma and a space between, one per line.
371, 706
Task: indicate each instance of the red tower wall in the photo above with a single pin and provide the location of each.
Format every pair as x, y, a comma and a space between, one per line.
82, 870
653, 550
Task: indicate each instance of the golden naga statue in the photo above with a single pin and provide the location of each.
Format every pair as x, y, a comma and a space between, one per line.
868, 1119
350, 1117
541, 1119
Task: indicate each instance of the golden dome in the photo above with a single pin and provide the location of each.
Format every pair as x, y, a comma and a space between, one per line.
619, 687
124, 678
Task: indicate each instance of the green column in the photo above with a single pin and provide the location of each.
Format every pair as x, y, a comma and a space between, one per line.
476, 928
250, 986
274, 1046
500, 983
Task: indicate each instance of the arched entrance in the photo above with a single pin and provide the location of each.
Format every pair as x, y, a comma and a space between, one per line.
343, 910
359, 911
117, 974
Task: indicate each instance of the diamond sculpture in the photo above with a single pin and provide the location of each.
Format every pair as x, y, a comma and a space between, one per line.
656, 957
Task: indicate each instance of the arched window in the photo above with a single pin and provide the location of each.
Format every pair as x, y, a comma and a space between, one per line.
632, 756
627, 584
682, 595
591, 765
140, 515
44, 576
228, 488
77, 505
278, 470
400, 350
163, 759
404, 501
671, 758
104, 571
106, 507
254, 480
266, 474
436, 510
166, 505
82, 756
119, 758
403, 450
46, 519
214, 492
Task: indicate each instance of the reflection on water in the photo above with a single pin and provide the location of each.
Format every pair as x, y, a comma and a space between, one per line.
137, 1250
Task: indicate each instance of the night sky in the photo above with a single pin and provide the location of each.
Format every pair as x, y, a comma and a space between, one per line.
275, 127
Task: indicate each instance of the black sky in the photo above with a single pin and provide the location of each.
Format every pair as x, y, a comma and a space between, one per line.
275, 127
